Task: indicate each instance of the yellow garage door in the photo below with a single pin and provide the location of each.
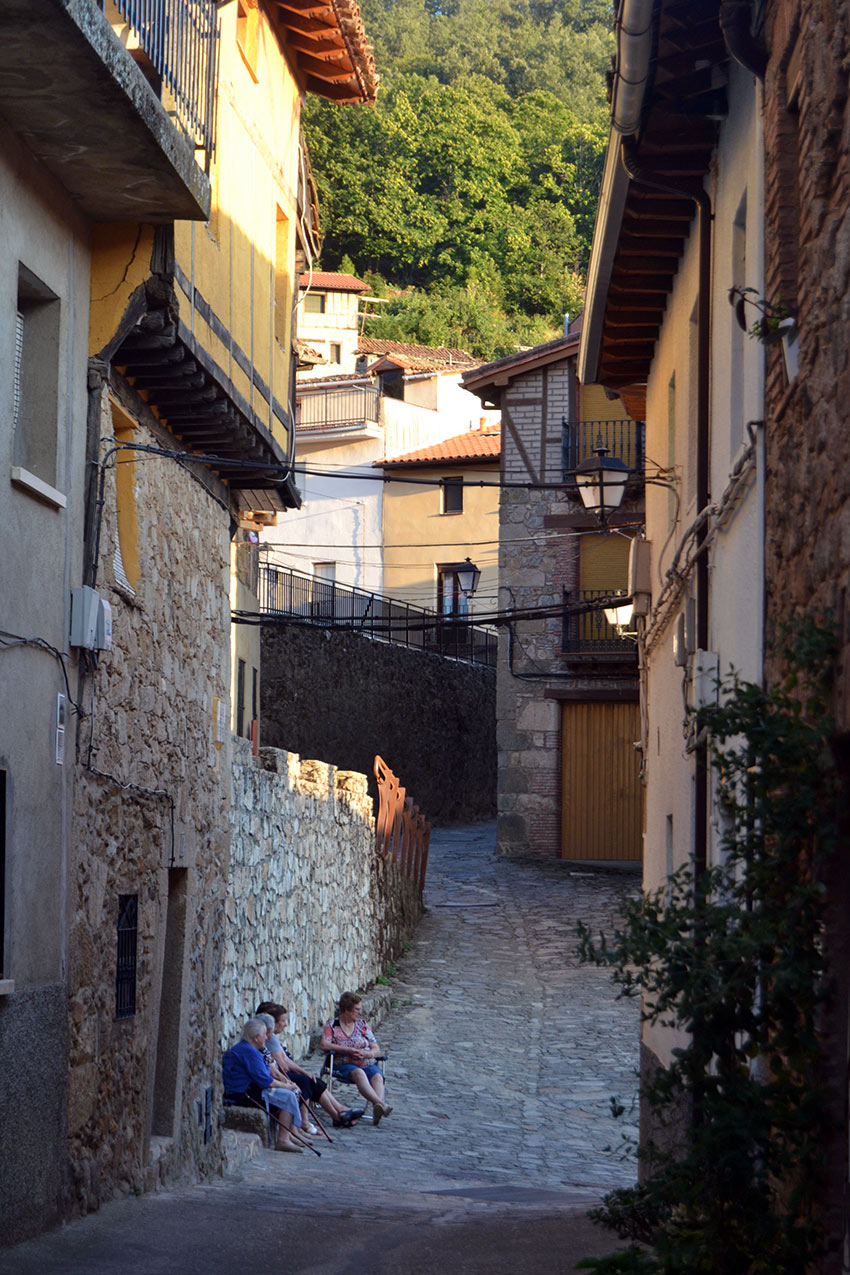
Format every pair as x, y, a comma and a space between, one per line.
602, 797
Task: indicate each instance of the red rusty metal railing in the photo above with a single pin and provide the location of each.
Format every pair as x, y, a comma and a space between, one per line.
402, 832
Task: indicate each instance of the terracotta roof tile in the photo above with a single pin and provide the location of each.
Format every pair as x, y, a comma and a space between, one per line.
332, 281
473, 445
419, 357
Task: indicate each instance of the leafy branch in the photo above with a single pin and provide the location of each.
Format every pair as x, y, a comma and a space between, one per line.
733, 961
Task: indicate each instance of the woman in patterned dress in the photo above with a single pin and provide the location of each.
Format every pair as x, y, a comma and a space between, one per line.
350, 1038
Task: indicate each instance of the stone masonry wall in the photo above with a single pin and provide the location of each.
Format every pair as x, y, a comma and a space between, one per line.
807, 498
538, 560
138, 1084
312, 910
343, 698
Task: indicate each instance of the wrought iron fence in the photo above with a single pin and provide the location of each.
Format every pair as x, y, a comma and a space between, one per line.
285, 591
589, 631
624, 439
180, 39
350, 406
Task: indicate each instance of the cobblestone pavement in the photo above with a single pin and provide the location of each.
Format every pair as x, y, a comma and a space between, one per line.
504, 1055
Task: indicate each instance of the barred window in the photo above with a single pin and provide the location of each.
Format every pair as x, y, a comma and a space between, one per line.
125, 966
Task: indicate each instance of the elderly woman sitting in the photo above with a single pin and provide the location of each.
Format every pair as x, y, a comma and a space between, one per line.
248, 1082
312, 1089
349, 1037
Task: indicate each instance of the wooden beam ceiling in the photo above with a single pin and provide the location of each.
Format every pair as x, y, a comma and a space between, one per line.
675, 147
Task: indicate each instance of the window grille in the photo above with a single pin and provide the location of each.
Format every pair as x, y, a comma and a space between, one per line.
125, 967
19, 363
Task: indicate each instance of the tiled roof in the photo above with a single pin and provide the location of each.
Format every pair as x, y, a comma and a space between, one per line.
417, 357
329, 45
332, 282
474, 445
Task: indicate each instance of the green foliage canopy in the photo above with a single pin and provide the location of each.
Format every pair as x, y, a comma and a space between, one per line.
472, 180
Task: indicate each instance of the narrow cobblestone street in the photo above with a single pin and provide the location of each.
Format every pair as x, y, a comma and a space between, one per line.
504, 1055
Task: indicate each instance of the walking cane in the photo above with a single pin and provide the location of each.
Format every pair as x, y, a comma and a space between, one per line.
302, 1141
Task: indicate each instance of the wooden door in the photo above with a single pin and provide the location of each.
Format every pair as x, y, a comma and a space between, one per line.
601, 793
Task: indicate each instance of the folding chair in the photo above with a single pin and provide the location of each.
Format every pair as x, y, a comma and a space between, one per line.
330, 1076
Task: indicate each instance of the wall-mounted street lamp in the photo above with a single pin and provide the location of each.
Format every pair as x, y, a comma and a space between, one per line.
601, 481
467, 578
620, 618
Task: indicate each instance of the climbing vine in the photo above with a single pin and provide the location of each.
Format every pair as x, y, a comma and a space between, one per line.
734, 959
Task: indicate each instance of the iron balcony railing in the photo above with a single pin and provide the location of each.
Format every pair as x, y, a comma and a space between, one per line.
624, 439
589, 632
354, 405
180, 41
287, 592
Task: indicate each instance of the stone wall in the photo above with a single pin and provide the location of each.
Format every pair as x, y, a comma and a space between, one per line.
539, 530
311, 909
151, 819
343, 698
807, 497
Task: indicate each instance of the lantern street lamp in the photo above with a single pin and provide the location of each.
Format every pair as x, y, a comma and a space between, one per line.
601, 481
467, 578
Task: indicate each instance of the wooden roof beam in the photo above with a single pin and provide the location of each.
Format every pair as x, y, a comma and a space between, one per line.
317, 48
328, 71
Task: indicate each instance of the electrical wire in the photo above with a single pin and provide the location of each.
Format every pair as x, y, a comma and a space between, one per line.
9, 640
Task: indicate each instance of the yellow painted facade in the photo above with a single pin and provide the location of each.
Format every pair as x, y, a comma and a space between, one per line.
418, 537
236, 272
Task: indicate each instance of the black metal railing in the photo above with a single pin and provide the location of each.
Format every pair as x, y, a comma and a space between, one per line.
353, 405
624, 439
285, 591
180, 40
589, 631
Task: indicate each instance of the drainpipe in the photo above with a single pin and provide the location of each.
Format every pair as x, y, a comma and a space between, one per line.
735, 23
639, 173
634, 52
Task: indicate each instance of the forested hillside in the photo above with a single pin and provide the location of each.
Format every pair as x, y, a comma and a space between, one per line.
467, 195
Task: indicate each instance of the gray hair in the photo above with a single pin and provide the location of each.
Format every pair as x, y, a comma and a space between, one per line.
253, 1028
267, 1019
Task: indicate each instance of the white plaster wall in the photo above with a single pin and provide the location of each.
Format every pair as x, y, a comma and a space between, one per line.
736, 555
340, 516
737, 390
40, 559
337, 324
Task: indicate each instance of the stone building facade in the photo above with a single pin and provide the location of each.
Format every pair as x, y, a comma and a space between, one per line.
343, 698
807, 560
552, 556
152, 796
84, 142
312, 909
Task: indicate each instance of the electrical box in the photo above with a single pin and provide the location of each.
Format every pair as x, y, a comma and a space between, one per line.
91, 620
640, 579
103, 636
84, 612
680, 642
706, 678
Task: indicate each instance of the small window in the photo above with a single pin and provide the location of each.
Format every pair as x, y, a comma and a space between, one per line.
125, 967
452, 602
452, 495
282, 279
247, 23
35, 389
314, 303
336, 352
240, 697
255, 695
